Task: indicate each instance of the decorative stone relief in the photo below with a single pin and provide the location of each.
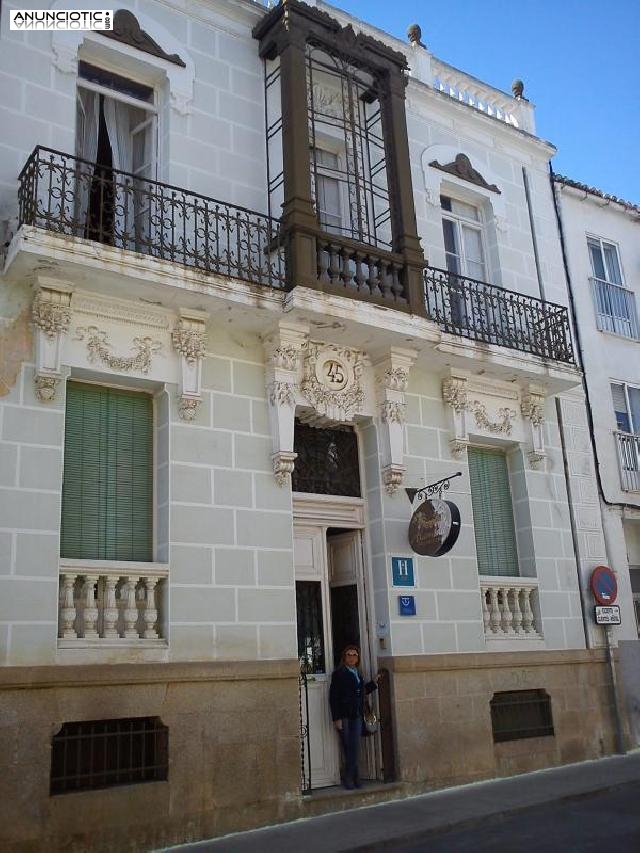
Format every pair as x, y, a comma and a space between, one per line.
502, 425
99, 349
51, 316
189, 338
283, 353
332, 381
461, 167
127, 30
532, 409
392, 379
454, 394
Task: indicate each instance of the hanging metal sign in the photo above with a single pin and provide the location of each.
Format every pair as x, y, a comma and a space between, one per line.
435, 524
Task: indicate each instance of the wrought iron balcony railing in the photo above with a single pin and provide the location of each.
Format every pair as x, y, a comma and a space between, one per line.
71, 196
629, 460
484, 312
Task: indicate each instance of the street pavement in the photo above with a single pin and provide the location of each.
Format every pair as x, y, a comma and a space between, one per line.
466, 812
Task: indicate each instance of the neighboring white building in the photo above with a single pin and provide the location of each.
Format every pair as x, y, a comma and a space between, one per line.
222, 364
601, 235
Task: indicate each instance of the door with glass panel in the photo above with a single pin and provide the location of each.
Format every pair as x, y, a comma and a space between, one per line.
328, 609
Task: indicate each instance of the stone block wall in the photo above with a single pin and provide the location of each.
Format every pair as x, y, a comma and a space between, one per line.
234, 753
443, 719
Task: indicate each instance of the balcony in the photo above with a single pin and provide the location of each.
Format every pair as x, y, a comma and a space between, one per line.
72, 197
615, 309
493, 315
66, 195
629, 460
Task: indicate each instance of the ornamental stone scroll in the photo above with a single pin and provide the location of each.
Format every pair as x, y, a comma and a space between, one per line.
189, 338
51, 316
532, 410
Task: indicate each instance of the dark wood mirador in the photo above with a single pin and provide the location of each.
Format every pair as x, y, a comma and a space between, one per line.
317, 257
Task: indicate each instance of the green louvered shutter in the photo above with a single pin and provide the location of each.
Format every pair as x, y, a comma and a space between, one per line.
492, 513
107, 493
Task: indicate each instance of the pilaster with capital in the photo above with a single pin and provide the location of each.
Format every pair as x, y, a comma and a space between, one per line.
532, 410
189, 338
51, 316
392, 378
454, 394
283, 354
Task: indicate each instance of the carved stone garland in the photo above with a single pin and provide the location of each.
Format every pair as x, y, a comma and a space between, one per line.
99, 349
189, 338
392, 376
51, 315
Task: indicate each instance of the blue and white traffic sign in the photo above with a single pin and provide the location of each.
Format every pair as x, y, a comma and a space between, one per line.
407, 605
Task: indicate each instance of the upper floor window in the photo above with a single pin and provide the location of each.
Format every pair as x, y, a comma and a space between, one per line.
116, 130
615, 305
328, 190
626, 405
463, 238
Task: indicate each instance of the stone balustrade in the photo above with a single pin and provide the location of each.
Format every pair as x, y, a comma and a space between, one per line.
509, 607
115, 603
518, 112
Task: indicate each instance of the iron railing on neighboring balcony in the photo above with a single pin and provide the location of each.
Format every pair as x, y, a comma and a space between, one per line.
629, 459
71, 196
484, 312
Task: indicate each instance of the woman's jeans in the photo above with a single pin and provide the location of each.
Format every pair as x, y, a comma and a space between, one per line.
350, 740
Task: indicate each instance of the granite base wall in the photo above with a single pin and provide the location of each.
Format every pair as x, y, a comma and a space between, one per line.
233, 753
442, 722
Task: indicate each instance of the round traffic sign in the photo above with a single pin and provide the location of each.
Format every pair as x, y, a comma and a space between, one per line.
604, 585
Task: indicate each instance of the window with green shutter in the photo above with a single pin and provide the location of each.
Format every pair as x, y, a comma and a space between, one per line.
492, 513
107, 493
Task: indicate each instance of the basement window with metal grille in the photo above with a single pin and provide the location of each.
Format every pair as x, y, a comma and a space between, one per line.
519, 714
103, 753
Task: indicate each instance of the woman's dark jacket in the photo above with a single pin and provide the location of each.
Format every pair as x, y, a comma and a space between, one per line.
346, 694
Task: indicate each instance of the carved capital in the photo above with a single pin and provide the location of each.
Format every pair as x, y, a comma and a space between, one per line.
454, 393
536, 459
283, 464
190, 339
458, 447
51, 312
396, 378
188, 408
392, 477
532, 408
286, 357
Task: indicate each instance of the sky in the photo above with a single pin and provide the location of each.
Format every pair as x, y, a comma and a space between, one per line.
579, 60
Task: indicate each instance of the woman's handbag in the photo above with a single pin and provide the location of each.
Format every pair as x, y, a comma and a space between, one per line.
369, 720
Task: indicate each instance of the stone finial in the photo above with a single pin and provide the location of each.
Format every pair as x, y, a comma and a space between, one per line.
414, 34
517, 87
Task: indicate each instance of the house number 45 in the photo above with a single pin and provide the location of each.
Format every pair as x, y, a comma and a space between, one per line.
335, 374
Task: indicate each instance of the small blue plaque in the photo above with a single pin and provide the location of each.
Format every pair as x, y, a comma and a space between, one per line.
402, 568
407, 605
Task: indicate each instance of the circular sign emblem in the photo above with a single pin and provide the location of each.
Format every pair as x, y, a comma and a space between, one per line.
604, 585
434, 528
333, 373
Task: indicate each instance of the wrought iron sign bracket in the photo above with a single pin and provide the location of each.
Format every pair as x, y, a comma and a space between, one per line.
429, 491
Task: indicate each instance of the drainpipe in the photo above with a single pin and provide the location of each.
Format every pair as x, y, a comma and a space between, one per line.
534, 239
589, 411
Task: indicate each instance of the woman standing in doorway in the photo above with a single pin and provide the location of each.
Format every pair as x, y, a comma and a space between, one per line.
346, 699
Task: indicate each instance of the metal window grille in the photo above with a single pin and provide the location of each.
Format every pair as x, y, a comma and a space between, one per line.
327, 462
519, 714
93, 754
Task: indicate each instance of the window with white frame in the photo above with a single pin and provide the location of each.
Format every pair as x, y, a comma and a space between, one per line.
116, 138
328, 189
462, 228
614, 304
626, 405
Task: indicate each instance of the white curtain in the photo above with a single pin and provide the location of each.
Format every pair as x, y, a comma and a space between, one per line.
88, 119
117, 116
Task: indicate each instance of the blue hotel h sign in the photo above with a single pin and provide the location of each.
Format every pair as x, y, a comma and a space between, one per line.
402, 571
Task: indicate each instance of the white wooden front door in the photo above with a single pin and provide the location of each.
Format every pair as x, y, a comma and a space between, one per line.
326, 569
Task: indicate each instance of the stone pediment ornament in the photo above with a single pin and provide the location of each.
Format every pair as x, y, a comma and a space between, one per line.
127, 30
461, 168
